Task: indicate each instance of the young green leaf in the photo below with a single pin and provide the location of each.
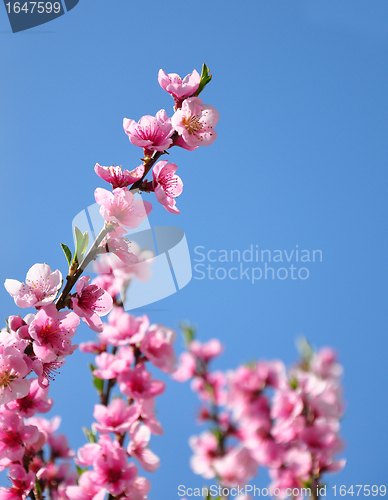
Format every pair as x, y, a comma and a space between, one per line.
67, 252
305, 350
98, 384
80, 470
205, 79
81, 244
188, 332
90, 436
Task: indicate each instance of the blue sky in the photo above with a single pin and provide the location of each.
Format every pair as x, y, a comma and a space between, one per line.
300, 159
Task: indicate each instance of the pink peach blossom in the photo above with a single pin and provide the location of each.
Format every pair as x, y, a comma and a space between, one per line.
123, 328
40, 289
22, 483
117, 177
35, 401
109, 366
47, 427
138, 383
90, 302
58, 477
286, 431
13, 369
115, 243
322, 435
177, 87
205, 448
138, 447
211, 388
140, 270
87, 489
325, 363
167, 186
121, 207
153, 133
206, 350
90, 452
87, 454
113, 473
60, 447
52, 331
236, 467
148, 417
157, 347
186, 368
12, 339
93, 346
195, 123
286, 404
139, 489
117, 417
46, 370
14, 435
105, 278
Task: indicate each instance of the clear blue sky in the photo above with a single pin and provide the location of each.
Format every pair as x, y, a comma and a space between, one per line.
300, 159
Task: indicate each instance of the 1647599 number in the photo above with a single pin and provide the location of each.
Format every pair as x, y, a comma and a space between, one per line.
360, 490
31, 7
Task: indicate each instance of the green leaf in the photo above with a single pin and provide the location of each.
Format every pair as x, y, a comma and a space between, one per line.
251, 364
81, 244
217, 433
98, 384
305, 350
80, 470
90, 436
67, 252
188, 332
205, 79
38, 488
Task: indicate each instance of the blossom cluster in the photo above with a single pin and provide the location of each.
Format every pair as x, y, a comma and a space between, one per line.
34, 347
38, 458
123, 348
39, 344
192, 125
31, 351
260, 415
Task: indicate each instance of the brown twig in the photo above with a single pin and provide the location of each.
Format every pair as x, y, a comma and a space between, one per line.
71, 280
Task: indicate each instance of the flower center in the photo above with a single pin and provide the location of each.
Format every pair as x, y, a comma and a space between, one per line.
90, 297
40, 288
192, 125
49, 333
114, 475
168, 182
12, 439
5, 379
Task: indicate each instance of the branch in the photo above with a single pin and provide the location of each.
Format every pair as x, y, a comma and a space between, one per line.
91, 255
148, 164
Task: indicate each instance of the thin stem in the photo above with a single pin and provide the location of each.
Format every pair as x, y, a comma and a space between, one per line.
71, 280
148, 164
105, 396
